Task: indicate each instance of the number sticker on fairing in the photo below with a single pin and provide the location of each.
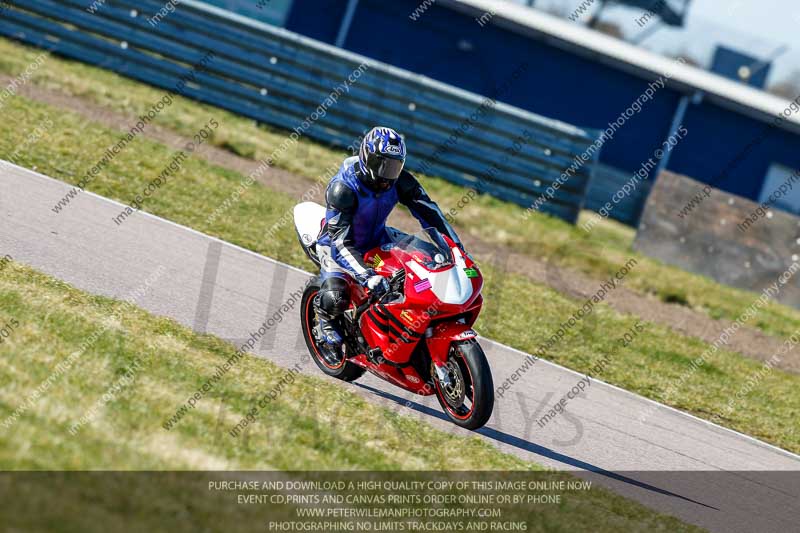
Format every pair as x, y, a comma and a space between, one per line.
422, 285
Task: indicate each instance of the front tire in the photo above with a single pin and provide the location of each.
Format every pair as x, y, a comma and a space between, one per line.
469, 399
346, 371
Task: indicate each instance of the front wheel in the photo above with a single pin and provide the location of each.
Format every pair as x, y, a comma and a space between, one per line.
344, 370
466, 391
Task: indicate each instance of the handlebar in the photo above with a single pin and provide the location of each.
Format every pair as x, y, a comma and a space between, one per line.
397, 278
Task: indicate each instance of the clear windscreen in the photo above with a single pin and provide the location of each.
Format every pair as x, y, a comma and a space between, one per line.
428, 247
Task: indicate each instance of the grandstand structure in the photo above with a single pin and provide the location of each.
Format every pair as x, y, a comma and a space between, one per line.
735, 140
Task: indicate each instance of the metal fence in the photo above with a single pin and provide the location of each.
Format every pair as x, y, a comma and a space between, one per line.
604, 190
280, 78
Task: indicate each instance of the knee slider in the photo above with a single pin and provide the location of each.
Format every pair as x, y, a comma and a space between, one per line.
334, 296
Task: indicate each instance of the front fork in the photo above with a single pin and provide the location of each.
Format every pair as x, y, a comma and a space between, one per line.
439, 339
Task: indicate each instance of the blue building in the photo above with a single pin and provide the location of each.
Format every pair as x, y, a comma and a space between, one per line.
734, 140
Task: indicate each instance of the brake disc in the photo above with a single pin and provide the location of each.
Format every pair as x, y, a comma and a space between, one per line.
454, 393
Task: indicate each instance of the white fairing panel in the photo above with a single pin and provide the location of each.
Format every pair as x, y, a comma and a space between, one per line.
307, 219
451, 286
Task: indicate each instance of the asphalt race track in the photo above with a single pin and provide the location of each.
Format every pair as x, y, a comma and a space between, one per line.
672, 462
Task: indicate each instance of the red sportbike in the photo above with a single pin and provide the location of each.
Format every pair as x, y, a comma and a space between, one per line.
417, 336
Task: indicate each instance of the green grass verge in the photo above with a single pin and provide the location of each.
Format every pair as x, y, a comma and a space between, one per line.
319, 425
169, 363
519, 312
597, 254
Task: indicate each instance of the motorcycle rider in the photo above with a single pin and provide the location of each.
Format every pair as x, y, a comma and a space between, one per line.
359, 199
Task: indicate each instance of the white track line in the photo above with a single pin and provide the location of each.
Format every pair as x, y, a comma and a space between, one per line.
510, 348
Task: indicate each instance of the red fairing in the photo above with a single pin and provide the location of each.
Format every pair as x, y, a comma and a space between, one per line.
397, 328
444, 335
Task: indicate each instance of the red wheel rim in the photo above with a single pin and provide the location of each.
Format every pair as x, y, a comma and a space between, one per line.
448, 407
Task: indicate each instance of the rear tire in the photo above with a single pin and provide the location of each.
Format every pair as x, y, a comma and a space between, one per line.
478, 389
346, 371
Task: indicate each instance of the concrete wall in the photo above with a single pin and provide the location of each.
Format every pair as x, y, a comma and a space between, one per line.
712, 239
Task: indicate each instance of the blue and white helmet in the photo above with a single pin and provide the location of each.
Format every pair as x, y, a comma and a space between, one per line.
381, 158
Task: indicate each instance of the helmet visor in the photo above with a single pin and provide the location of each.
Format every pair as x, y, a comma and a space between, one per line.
384, 168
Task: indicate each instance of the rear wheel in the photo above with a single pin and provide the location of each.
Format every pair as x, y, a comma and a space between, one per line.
466, 394
343, 370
